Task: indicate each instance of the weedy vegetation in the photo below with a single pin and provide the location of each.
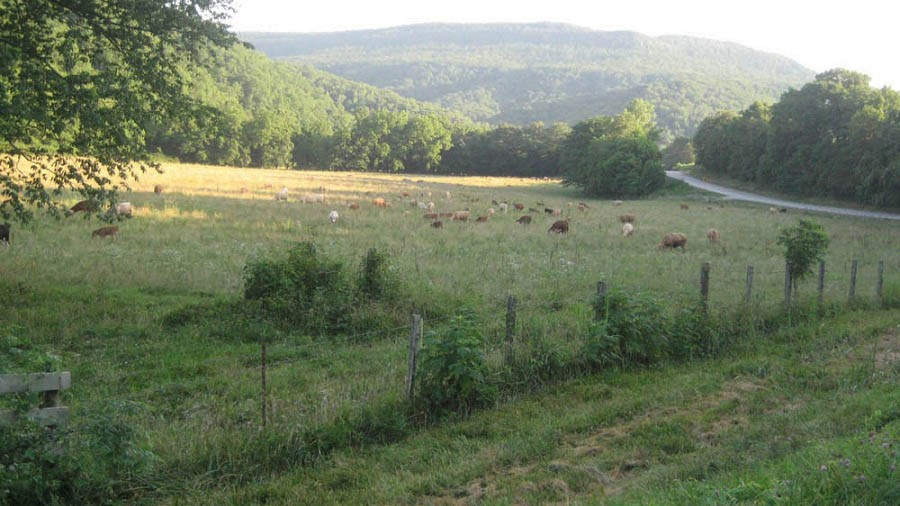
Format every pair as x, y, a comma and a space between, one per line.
643, 394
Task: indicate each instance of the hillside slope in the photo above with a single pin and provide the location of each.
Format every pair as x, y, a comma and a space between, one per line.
520, 73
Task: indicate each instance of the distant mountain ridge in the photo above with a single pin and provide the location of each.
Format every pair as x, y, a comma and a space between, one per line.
549, 72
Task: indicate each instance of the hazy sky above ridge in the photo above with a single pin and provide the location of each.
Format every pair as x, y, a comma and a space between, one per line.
861, 35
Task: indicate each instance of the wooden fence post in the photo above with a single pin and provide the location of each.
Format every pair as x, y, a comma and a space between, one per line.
748, 291
854, 265
787, 285
601, 300
510, 326
414, 336
262, 358
821, 287
704, 285
879, 284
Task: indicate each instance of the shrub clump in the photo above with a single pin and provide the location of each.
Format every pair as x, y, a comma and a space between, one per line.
454, 376
308, 291
635, 329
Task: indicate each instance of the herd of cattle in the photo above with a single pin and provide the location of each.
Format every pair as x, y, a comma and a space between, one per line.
670, 240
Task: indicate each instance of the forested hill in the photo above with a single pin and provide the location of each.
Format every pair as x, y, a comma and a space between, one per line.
520, 73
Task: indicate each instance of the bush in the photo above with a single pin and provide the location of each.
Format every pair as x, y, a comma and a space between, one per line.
309, 292
96, 460
454, 375
804, 245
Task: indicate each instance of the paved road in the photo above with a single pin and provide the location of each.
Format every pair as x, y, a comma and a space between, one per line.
729, 193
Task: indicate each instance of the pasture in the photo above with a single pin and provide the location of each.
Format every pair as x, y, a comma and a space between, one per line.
99, 307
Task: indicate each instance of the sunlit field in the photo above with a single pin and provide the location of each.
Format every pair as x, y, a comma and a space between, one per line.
101, 306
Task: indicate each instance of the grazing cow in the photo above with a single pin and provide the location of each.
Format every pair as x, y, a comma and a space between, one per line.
121, 208
353, 205
582, 207
782, 210
503, 207
333, 216
105, 231
431, 216
627, 218
519, 207
627, 229
773, 210
684, 207
4, 233
84, 205
158, 189
437, 224
559, 227
713, 235
481, 219
461, 215
245, 189
674, 240
282, 194
548, 210
379, 202
524, 220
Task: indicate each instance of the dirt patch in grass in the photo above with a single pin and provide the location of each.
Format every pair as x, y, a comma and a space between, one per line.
887, 350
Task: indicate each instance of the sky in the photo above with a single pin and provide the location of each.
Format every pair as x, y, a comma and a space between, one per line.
861, 35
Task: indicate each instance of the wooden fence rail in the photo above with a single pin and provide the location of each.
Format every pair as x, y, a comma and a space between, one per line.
49, 412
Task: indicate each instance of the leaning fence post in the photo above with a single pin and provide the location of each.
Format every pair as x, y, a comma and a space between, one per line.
854, 265
601, 300
879, 284
704, 285
510, 326
787, 285
748, 291
414, 336
821, 287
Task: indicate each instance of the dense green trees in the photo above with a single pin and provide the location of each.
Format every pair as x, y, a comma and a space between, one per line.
615, 156
80, 85
520, 74
836, 136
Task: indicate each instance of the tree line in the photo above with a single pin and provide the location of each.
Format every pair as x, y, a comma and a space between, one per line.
837, 136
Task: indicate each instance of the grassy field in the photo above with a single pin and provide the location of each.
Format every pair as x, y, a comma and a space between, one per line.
740, 424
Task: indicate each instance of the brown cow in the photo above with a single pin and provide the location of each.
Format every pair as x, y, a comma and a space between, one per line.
524, 220
684, 207
481, 219
379, 202
559, 227
84, 205
105, 231
519, 207
713, 235
437, 224
627, 218
353, 205
158, 189
431, 216
674, 240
